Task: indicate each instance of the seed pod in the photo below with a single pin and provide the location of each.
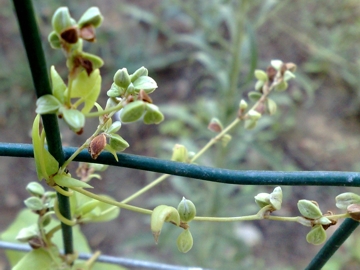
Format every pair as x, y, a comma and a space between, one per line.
187, 210
97, 145
185, 241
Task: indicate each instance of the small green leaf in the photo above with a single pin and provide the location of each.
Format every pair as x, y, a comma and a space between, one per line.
345, 199
145, 83
259, 85
260, 75
35, 189
46, 164
112, 151
34, 203
115, 127
309, 210
47, 104
103, 212
153, 115
185, 241
58, 85
38, 259
254, 96
282, 86
74, 118
66, 181
115, 91
132, 111
271, 106
250, 124
26, 234
117, 142
316, 236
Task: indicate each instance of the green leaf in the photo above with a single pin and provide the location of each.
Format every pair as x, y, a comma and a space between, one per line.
66, 181
87, 88
145, 83
34, 203
47, 104
115, 127
308, 209
132, 111
185, 241
58, 85
254, 96
345, 199
105, 212
316, 236
74, 118
39, 259
46, 164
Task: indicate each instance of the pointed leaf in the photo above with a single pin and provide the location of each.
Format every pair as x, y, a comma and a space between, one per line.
74, 118
145, 83
47, 104
117, 142
67, 181
58, 85
87, 88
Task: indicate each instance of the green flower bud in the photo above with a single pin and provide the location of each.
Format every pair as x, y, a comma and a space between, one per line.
243, 105
122, 78
309, 210
180, 153
260, 75
130, 89
153, 115
34, 203
316, 236
35, 189
187, 210
254, 115
61, 20
132, 111
262, 199
185, 241
276, 198
117, 142
54, 40
277, 64
91, 16
345, 199
215, 125
138, 73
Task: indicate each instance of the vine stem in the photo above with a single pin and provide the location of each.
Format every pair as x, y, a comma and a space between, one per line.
112, 202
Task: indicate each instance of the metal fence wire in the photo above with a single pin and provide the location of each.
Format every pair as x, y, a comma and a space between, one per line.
31, 38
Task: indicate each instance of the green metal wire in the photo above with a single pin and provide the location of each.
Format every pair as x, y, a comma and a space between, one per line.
32, 42
333, 244
316, 178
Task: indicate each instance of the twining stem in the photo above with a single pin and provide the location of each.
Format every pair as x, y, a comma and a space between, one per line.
112, 202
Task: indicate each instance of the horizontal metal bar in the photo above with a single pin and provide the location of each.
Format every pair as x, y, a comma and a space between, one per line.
305, 178
108, 259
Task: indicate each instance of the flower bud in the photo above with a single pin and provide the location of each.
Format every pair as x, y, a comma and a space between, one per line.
117, 142
138, 73
187, 210
153, 114
276, 198
91, 16
61, 19
34, 203
97, 145
115, 91
180, 153
35, 189
254, 115
277, 64
215, 125
185, 241
122, 78
262, 199
243, 105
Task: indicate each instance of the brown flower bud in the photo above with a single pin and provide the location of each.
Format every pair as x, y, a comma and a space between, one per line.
97, 145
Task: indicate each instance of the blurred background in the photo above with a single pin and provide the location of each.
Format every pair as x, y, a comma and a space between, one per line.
202, 55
